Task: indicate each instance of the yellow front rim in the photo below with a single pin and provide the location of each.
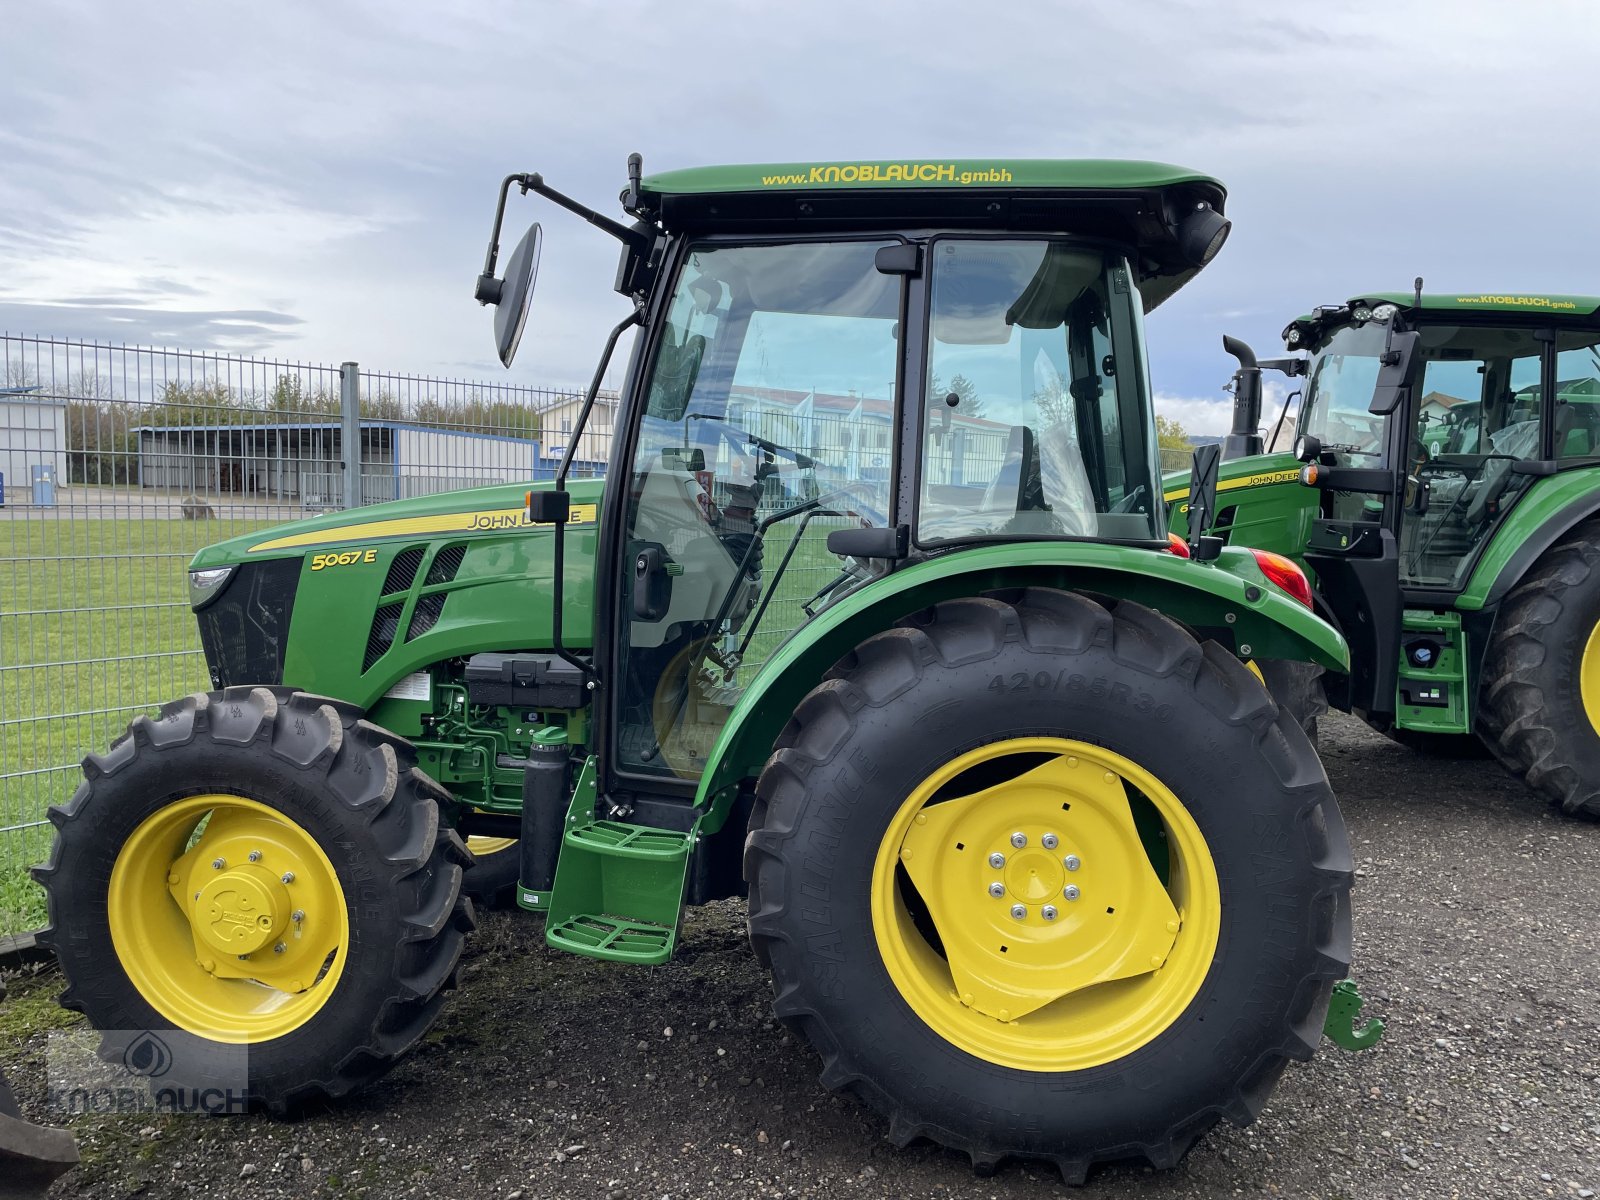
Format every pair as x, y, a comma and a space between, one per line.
482, 847
228, 918
1589, 678
1026, 920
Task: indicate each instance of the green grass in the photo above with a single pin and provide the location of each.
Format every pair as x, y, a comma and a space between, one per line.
95, 627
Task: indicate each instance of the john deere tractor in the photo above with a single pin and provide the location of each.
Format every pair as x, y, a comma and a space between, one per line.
875, 614
1444, 494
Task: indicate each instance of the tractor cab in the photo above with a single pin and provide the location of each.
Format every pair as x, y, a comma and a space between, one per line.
1449, 463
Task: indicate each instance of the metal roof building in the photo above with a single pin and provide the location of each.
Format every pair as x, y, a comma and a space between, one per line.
301, 461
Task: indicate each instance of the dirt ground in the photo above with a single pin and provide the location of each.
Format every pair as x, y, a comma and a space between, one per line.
550, 1076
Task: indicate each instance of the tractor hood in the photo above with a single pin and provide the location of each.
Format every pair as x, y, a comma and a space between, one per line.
467, 512
352, 604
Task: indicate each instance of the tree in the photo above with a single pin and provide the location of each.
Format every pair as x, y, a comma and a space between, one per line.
970, 404
1170, 435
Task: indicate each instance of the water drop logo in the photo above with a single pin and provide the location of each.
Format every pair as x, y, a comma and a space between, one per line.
147, 1055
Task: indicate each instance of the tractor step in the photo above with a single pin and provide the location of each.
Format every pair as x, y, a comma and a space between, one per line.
619, 887
613, 939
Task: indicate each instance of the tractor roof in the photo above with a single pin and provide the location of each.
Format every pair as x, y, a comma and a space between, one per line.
1138, 204
1512, 307
1516, 306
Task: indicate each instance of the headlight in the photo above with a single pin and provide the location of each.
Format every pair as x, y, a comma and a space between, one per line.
1294, 337
1362, 314
1383, 312
205, 586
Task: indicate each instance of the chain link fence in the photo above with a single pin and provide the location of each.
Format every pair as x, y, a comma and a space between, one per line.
117, 463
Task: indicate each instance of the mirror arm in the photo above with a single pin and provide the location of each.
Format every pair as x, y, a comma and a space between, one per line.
635, 239
488, 288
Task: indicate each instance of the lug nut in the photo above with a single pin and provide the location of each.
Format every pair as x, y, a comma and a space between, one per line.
1071, 891
997, 860
298, 915
288, 877
1048, 912
1019, 911
1049, 841
279, 948
217, 864
255, 856
1019, 840
1072, 862
997, 890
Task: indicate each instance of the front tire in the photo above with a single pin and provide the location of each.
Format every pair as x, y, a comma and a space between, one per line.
264, 868
1193, 804
1541, 692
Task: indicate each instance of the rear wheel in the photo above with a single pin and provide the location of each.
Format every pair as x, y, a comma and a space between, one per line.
1037, 877
1541, 693
491, 880
263, 868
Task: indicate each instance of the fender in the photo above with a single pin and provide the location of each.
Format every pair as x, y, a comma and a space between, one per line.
1550, 510
1229, 600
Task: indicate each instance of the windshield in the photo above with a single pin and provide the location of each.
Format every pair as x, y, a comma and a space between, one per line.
1338, 391
768, 424
1035, 422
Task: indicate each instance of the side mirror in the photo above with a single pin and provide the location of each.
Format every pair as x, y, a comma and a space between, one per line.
510, 295
1203, 501
1396, 365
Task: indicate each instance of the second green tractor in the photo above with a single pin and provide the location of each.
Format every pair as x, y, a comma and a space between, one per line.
1443, 493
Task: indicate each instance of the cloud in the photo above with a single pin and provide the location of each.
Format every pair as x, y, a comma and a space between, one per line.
336, 161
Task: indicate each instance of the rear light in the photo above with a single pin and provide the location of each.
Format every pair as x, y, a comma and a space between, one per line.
1177, 545
1286, 573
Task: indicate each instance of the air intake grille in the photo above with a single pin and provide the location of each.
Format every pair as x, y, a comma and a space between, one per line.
385, 625
426, 615
402, 571
445, 564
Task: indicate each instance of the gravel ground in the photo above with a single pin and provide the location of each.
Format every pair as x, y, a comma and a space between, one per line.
552, 1076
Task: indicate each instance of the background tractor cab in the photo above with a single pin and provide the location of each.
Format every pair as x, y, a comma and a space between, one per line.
1445, 454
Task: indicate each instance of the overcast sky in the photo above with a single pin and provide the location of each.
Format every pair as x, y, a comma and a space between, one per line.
315, 180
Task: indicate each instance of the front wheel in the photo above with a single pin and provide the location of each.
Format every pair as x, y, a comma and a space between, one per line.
263, 869
1540, 708
1042, 877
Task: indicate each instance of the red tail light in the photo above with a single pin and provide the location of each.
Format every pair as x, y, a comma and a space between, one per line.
1285, 573
1177, 545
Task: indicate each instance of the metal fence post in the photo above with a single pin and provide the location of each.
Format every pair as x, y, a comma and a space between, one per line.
350, 440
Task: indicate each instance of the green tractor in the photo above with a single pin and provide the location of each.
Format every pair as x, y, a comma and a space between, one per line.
876, 616
1443, 492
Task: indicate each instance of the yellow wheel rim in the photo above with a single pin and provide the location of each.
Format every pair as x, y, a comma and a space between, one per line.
228, 918
482, 847
1059, 946
1589, 678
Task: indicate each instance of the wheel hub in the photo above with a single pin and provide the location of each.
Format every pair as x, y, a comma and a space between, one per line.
1043, 935
240, 911
1035, 876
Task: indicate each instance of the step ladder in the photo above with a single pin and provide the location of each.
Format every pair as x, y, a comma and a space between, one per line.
619, 887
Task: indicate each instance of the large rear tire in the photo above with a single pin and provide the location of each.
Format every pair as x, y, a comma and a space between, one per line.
1541, 693
261, 867
996, 755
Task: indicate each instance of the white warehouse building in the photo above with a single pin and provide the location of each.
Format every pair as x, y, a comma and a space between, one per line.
300, 461
33, 433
